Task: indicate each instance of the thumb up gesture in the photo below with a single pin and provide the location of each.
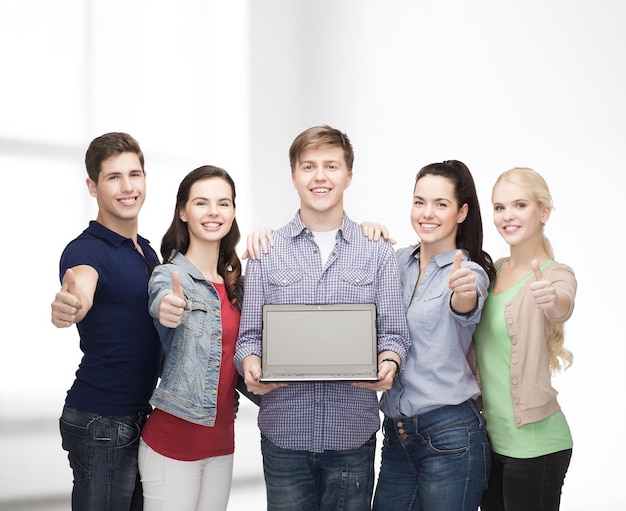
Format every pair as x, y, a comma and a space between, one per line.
543, 290
461, 280
463, 285
173, 304
67, 303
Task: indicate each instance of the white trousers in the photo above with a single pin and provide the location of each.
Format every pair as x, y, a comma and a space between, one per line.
173, 485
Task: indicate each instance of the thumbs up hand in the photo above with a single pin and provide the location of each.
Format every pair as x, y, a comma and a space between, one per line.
173, 304
67, 303
463, 285
543, 290
461, 280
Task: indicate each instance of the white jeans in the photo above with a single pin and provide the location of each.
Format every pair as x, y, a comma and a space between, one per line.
169, 484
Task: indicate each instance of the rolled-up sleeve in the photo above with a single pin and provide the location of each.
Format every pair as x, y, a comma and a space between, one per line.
251, 323
393, 332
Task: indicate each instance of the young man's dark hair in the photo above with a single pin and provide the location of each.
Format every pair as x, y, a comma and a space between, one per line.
105, 146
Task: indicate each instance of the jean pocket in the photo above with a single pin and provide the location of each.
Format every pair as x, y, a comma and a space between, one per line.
79, 444
450, 441
127, 434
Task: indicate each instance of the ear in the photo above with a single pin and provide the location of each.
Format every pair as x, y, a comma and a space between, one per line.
91, 186
349, 179
545, 214
462, 214
182, 215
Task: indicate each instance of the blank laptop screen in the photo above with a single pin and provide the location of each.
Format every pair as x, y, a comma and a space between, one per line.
335, 342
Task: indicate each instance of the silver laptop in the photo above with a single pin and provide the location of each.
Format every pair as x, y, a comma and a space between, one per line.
336, 342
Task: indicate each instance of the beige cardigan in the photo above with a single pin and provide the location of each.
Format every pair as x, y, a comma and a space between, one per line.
532, 393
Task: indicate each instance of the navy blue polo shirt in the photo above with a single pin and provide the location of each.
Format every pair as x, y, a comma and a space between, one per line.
120, 345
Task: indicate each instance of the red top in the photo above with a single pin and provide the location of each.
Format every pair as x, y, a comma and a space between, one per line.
182, 440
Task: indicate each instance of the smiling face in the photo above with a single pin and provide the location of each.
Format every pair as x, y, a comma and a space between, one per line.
518, 218
320, 176
435, 214
210, 211
120, 192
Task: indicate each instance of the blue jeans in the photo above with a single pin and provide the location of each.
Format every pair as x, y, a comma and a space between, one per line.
318, 481
436, 461
517, 484
102, 452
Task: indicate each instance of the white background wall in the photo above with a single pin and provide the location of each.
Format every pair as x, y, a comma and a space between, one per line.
495, 84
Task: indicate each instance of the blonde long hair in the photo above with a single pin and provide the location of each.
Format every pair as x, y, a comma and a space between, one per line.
536, 186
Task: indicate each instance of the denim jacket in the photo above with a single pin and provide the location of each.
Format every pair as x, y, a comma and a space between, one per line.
193, 350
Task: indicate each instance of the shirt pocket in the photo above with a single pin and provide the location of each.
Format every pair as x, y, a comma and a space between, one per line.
358, 285
284, 286
198, 311
430, 309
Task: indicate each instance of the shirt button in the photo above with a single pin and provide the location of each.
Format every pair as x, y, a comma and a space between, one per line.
399, 424
509, 321
284, 281
514, 381
514, 361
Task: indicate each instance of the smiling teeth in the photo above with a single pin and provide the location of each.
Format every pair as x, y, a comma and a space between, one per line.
127, 201
320, 190
429, 226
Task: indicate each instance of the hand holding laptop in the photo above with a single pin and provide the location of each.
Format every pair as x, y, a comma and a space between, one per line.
387, 372
252, 372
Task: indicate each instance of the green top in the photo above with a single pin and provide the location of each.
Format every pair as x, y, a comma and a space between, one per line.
493, 353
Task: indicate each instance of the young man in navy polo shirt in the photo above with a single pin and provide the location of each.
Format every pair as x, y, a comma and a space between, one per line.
104, 274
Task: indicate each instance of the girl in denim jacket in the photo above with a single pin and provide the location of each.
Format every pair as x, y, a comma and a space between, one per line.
187, 445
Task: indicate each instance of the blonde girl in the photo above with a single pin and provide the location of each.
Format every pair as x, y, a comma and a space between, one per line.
519, 344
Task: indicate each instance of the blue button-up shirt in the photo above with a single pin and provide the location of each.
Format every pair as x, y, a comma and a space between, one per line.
322, 416
437, 372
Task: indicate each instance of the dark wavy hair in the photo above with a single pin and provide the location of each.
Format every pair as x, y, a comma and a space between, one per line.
469, 235
106, 146
176, 239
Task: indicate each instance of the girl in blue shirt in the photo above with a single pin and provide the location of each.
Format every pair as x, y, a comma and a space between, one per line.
436, 450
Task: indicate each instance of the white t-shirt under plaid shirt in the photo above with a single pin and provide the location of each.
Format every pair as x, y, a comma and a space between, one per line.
322, 416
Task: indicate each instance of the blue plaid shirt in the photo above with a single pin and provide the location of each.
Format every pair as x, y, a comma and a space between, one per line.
322, 416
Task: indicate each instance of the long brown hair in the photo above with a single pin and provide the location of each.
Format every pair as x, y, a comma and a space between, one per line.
176, 239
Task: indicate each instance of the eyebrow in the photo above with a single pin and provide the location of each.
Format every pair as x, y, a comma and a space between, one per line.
324, 161
207, 199
436, 199
119, 172
513, 201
